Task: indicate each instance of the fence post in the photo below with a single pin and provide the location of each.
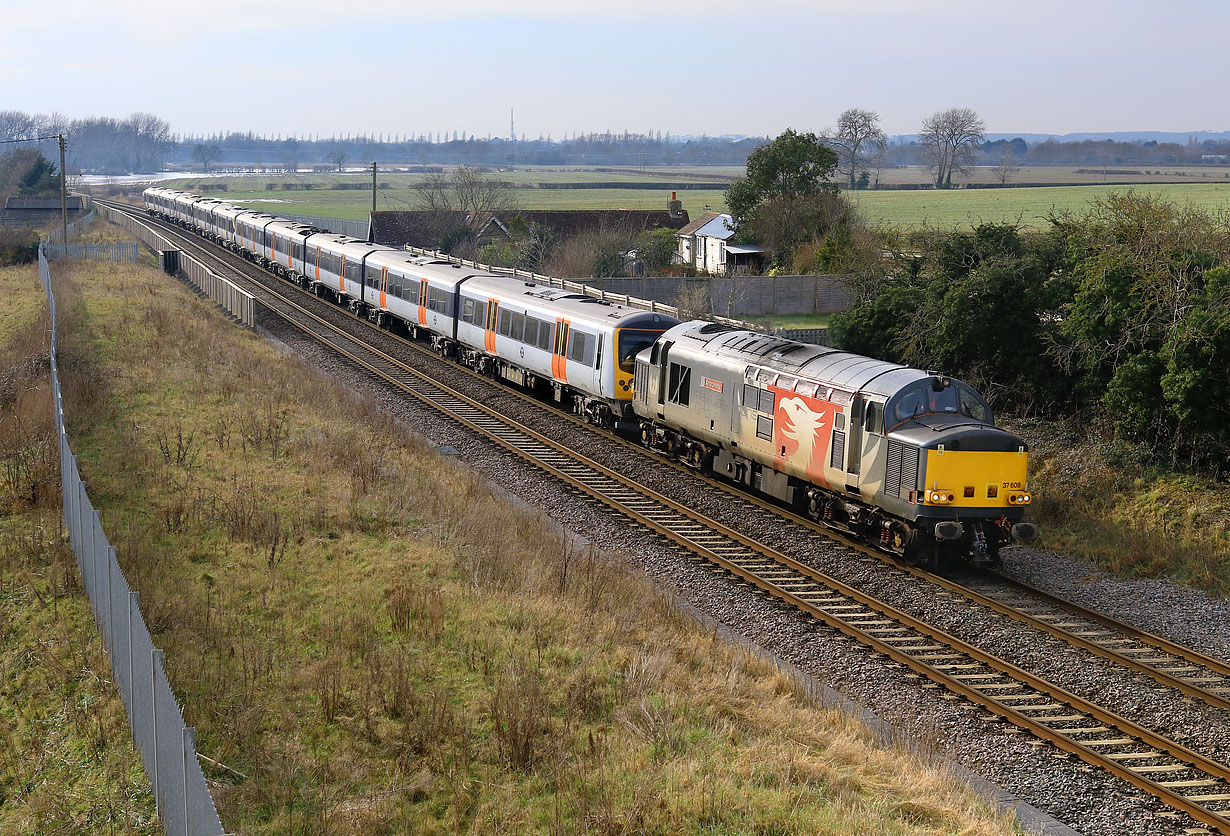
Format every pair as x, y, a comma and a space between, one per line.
154, 664
110, 634
95, 559
74, 532
188, 740
133, 606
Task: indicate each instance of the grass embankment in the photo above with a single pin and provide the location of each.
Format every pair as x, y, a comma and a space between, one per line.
381, 645
1106, 502
66, 761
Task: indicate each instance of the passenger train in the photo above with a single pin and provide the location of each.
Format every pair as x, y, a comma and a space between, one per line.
908, 459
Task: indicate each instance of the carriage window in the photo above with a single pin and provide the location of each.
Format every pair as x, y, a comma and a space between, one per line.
582, 347
531, 331
505, 323
468, 309
680, 389
518, 327
544, 336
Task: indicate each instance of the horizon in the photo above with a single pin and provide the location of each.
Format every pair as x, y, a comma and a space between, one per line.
581, 68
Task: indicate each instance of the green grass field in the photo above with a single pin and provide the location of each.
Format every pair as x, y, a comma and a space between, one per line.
1029, 205
910, 209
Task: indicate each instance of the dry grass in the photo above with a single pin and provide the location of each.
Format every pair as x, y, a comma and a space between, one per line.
1103, 501
381, 645
66, 762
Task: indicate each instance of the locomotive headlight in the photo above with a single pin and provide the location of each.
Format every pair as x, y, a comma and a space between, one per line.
1019, 498
940, 497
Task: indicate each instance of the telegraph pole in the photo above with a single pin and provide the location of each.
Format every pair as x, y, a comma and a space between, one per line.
371, 219
63, 191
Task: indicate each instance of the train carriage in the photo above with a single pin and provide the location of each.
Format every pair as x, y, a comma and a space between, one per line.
910, 457
536, 336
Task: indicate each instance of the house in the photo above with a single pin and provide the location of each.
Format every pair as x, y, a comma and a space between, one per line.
705, 245
39, 211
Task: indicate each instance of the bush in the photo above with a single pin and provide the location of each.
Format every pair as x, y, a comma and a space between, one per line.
18, 246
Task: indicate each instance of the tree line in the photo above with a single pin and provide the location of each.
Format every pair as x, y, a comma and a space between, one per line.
949, 142
1120, 314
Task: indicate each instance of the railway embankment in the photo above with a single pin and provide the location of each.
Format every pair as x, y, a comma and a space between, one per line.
1111, 503
66, 760
372, 640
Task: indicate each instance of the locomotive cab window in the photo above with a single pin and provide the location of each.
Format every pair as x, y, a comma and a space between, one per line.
632, 343
679, 390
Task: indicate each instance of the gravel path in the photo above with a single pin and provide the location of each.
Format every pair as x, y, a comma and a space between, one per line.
1087, 799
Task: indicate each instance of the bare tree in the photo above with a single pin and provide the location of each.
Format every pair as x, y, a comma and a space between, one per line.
205, 153
338, 157
949, 139
857, 131
461, 202
1006, 168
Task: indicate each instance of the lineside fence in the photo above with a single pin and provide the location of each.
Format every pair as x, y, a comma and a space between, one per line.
229, 296
167, 747
116, 252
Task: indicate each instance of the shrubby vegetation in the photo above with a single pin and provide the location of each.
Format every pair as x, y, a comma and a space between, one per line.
1120, 314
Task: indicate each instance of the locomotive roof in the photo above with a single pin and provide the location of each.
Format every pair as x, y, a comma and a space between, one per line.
840, 369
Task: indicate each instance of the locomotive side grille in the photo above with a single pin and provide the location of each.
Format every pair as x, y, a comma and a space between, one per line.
892, 472
909, 468
837, 458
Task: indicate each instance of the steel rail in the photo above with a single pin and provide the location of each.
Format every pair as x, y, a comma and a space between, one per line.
1000, 687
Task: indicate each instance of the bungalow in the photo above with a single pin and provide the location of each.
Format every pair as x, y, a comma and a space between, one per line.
704, 244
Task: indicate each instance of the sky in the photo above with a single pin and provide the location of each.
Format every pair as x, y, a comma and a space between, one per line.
752, 67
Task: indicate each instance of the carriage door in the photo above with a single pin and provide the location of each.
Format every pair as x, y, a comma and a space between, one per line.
423, 302
559, 357
663, 365
384, 288
854, 438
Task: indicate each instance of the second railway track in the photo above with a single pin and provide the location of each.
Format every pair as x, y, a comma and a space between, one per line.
1182, 778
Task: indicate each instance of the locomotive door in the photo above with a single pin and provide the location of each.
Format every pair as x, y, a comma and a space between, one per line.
854, 443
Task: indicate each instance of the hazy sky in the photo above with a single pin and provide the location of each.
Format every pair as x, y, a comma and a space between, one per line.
702, 66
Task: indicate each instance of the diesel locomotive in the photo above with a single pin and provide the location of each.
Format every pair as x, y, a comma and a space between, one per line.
909, 459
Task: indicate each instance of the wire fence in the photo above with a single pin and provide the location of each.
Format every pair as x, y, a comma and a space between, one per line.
167, 746
116, 252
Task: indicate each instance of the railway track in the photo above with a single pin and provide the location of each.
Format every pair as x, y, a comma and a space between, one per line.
1182, 778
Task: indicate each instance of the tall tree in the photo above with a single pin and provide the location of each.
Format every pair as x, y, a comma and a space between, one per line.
792, 166
858, 131
949, 139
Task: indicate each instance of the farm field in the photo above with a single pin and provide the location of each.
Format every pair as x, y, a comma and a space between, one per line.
379, 643
909, 209
960, 207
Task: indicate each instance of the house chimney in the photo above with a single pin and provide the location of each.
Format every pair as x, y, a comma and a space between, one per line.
674, 207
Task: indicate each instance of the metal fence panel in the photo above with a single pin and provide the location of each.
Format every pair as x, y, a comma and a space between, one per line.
117, 252
167, 747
